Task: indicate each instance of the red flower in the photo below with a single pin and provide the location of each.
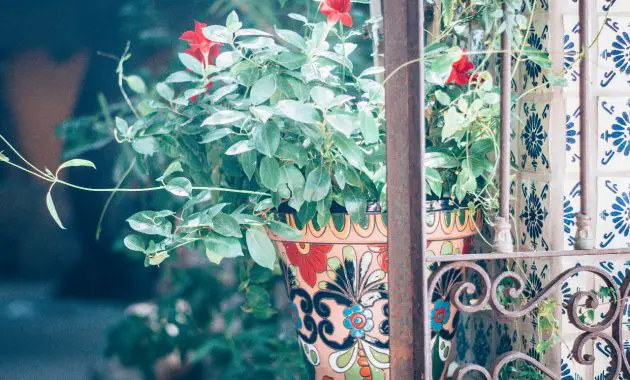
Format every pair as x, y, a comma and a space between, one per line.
383, 255
310, 263
337, 10
460, 72
201, 48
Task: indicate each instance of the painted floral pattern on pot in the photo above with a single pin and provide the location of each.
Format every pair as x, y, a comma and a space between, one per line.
336, 278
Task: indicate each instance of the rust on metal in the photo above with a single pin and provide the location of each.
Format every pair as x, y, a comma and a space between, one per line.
485, 294
528, 255
503, 237
404, 101
584, 235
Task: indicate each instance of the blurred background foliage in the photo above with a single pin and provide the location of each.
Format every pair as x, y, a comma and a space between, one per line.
200, 321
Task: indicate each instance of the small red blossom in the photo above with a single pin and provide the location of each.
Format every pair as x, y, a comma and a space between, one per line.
309, 263
337, 10
201, 47
460, 72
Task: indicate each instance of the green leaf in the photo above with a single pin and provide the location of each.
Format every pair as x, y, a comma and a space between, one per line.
375, 70
136, 84
350, 151
180, 77
454, 121
248, 162
219, 247
270, 173
262, 113
217, 33
317, 185
301, 112
165, 91
224, 117
215, 134
174, 167
440, 160
342, 122
225, 225
150, 223
291, 60
77, 162
145, 145
356, 203
191, 63
266, 139
442, 97
227, 59
284, 231
292, 38
239, 148
322, 96
52, 210
179, 186
262, 90
369, 127
292, 152
260, 247
233, 23
134, 243
252, 32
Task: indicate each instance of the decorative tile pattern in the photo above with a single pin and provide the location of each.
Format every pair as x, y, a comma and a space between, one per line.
614, 5
572, 135
571, 42
534, 76
534, 137
534, 210
614, 53
613, 223
571, 208
614, 134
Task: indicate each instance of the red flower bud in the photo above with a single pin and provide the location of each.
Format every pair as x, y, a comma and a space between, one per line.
337, 10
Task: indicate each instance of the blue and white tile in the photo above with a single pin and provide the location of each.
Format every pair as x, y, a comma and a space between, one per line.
614, 6
571, 208
603, 6
534, 137
534, 231
534, 76
614, 53
572, 135
538, 6
614, 134
571, 47
613, 205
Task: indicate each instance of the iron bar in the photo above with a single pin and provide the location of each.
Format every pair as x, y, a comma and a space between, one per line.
584, 238
527, 255
502, 236
404, 99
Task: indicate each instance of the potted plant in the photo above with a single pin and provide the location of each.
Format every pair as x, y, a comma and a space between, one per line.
276, 148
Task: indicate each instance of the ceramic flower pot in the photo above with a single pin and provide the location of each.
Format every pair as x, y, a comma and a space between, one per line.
336, 278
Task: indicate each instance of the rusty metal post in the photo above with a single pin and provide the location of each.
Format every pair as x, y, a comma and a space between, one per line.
409, 305
584, 238
502, 236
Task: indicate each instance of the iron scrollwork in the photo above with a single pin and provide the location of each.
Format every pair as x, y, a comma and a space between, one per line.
472, 297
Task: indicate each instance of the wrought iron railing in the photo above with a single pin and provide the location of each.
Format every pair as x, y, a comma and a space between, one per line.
411, 285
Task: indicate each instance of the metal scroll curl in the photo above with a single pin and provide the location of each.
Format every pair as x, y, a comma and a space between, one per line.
486, 292
466, 287
587, 298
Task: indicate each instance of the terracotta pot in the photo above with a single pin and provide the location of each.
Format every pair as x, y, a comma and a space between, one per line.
336, 278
